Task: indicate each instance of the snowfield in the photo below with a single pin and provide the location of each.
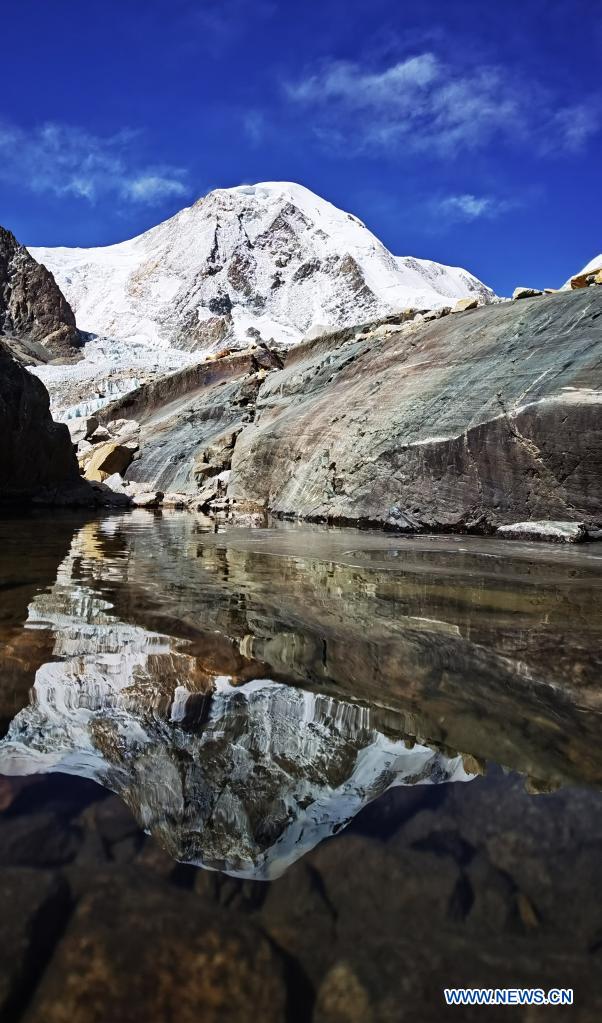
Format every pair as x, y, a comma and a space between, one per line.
271, 261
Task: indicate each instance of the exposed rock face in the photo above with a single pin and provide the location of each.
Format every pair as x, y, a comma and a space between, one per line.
271, 258
467, 422
33, 310
587, 280
189, 420
35, 452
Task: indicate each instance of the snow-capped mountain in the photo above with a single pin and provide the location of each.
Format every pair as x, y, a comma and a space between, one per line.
272, 257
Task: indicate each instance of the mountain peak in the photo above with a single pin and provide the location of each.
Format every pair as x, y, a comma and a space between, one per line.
269, 260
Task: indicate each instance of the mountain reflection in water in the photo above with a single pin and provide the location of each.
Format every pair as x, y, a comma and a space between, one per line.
249, 693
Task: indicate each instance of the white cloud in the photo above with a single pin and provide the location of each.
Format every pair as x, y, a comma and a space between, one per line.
575, 126
152, 188
423, 103
344, 80
65, 160
467, 207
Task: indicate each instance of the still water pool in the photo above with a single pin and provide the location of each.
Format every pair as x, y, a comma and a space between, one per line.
294, 774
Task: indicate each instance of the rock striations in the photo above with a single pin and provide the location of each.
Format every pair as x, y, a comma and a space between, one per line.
458, 423
35, 318
468, 422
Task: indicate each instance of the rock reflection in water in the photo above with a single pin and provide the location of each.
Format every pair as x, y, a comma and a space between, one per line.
247, 700
248, 693
243, 779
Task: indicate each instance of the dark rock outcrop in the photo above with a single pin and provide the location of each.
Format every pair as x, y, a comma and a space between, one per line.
34, 314
464, 423
36, 453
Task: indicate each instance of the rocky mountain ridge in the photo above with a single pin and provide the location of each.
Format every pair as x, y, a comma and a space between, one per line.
35, 318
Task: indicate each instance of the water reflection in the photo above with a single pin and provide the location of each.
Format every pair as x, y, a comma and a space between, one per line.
248, 693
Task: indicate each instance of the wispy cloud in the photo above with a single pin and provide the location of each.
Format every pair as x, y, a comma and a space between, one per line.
67, 161
423, 103
254, 125
467, 207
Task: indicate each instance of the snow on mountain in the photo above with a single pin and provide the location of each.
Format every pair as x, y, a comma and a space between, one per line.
272, 257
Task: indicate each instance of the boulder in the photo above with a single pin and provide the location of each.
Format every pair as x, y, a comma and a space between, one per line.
81, 428
106, 460
132, 487
464, 304
32, 306
525, 293
116, 483
99, 435
545, 529
207, 494
84, 454
126, 431
587, 279
178, 501
436, 314
148, 499
204, 470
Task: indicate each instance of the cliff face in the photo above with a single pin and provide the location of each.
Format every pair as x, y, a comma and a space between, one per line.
469, 421
33, 310
36, 453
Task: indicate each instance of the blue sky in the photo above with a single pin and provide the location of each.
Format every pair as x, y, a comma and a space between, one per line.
460, 131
